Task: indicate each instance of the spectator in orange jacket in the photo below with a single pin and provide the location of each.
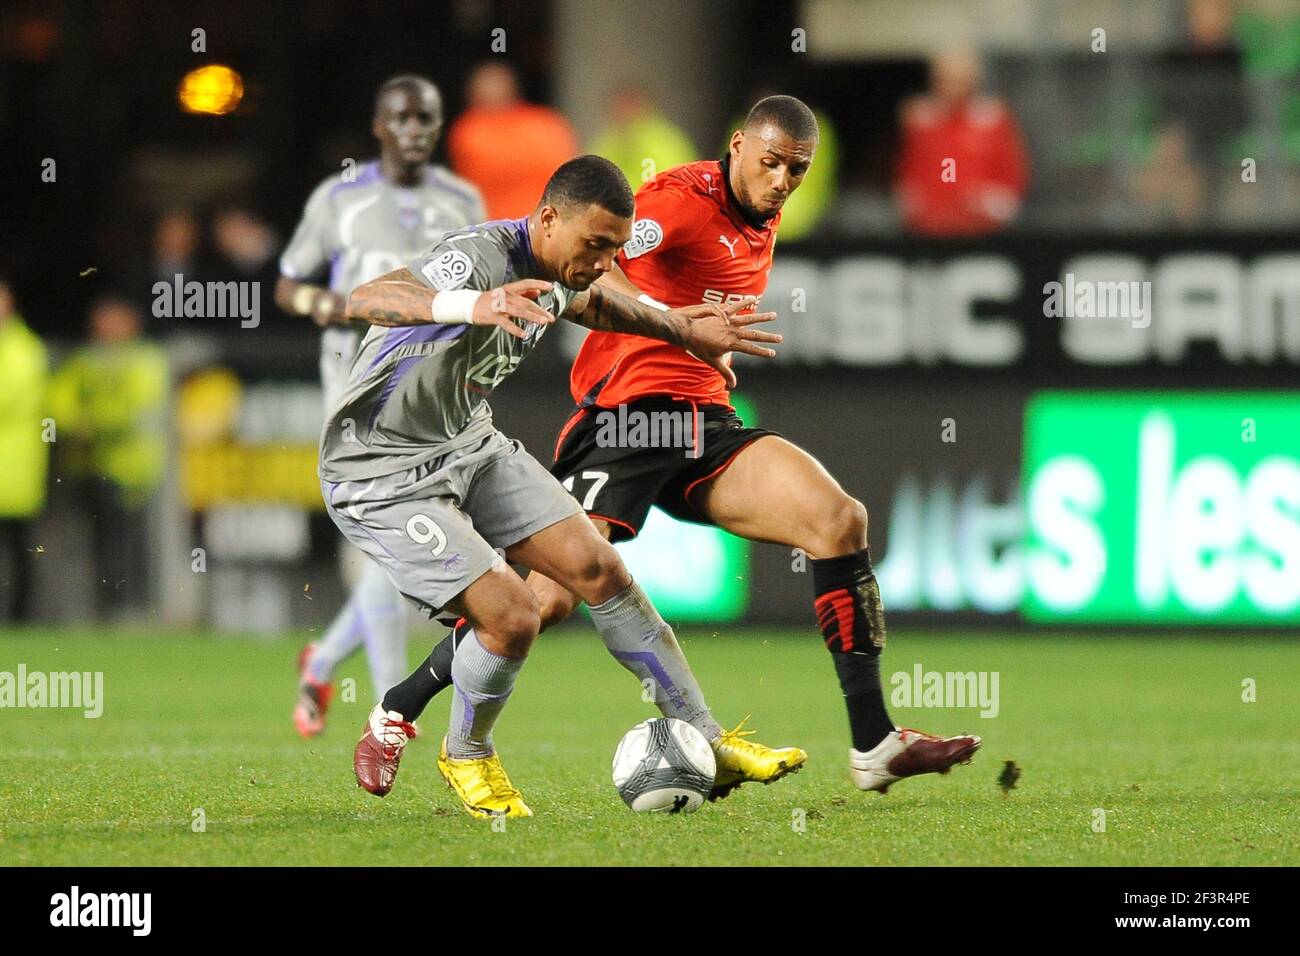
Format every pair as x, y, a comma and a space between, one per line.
506, 146
963, 169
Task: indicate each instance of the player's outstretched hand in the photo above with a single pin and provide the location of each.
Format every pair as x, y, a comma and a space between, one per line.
514, 300
717, 330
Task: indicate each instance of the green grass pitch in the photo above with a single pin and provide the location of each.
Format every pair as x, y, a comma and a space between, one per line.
1151, 729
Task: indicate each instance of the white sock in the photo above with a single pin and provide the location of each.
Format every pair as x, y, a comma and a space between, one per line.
375, 615
344, 636
384, 611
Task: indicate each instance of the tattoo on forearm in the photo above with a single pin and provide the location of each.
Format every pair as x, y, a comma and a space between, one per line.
391, 302
607, 311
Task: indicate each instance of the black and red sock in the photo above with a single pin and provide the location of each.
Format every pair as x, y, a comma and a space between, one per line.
851, 618
412, 695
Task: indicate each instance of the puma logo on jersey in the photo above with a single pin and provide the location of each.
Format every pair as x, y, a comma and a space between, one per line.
731, 246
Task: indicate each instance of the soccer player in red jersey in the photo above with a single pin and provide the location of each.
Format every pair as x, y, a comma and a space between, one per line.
704, 232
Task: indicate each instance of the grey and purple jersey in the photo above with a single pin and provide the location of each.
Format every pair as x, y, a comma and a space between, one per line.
365, 227
415, 393
359, 228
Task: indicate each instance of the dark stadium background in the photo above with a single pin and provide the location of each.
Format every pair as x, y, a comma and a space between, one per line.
93, 85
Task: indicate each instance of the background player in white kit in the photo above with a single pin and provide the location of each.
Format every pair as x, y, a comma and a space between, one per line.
360, 224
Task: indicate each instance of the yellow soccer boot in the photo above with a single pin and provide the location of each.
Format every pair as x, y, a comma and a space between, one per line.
740, 761
482, 785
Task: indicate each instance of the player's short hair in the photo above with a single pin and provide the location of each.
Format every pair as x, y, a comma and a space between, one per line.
590, 180
789, 114
413, 82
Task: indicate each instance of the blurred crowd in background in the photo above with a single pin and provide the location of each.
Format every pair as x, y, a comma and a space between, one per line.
1201, 132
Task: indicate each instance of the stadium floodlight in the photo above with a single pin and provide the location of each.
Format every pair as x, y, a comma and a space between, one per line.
213, 89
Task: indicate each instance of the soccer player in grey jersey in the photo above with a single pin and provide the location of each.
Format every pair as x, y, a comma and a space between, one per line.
361, 224
414, 472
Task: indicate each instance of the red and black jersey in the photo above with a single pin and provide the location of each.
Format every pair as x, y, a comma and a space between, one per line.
690, 244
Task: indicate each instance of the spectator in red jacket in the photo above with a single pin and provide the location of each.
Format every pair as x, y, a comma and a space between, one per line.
963, 169
505, 146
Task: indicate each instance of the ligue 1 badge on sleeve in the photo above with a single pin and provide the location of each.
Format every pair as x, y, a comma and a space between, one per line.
449, 271
646, 235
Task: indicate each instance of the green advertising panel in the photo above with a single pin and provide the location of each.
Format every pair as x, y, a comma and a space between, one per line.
1159, 507
692, 572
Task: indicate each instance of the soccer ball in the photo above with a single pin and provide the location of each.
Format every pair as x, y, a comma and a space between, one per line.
664, 765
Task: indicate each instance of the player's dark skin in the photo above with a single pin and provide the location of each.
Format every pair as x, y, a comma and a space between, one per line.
773, 490
574, 246
577, 248
407, 123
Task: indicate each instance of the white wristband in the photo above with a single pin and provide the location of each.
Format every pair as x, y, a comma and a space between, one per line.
304, 300
653, 303
455, 307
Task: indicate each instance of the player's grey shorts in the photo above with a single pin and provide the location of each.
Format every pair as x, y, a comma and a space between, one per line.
433, 528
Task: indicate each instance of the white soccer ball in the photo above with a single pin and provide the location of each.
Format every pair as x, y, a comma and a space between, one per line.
664, 765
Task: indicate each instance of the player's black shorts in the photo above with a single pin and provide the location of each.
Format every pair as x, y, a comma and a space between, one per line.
653, 451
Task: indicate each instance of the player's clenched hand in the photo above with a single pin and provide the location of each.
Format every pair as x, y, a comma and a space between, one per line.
329, 308
715, 331
514, 300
